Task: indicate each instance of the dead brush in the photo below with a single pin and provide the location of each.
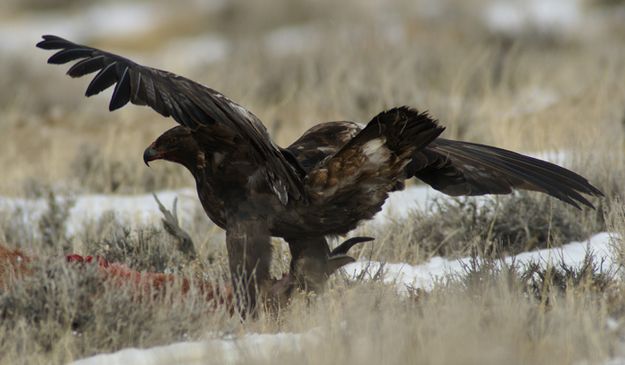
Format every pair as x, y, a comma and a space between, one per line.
544, 284
591, 278
144, 248
53, 223
158, 249
488, 227
58, 301
48, 230
47, 300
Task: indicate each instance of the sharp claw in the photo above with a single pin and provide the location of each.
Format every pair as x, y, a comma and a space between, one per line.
337, 261
344, 247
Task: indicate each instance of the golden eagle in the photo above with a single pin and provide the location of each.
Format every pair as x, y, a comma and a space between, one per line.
327, 182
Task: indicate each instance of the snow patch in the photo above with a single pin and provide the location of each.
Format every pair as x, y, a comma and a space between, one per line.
101, 20
128, 209
119, 19
426, 275
513, 17
400, 203
218, 351
193, 52
142, 209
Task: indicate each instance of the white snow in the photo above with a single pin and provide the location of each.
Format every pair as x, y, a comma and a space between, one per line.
191, 52
400, 203
130, 209
119, 19
215, 351
20, 34
426, 275
512, 17
142, 209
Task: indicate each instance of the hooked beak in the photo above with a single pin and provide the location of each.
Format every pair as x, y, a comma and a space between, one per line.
150, 154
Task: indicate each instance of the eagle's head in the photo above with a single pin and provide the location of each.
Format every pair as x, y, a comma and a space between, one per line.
176, 145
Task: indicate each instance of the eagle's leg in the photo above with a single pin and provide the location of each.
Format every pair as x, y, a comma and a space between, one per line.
249, 255
312, 262
309, 259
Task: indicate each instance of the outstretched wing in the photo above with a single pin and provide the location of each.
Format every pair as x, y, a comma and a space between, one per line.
191, 104
463, 168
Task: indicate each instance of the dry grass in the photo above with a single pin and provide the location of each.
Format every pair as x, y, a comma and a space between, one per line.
536, 92
488, 316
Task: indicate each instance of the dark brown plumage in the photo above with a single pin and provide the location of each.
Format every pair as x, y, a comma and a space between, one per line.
328, 181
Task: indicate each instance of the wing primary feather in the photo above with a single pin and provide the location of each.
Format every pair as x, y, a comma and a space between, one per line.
544, 182
69, 54
121, 94
517, 161
103, 80
87, 66
543, 173
177, 113
50, 37
136, 85
196, 113
54, 42
183, 111
158, 104
551, 179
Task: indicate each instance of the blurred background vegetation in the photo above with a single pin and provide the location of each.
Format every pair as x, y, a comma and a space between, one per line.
530, 75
